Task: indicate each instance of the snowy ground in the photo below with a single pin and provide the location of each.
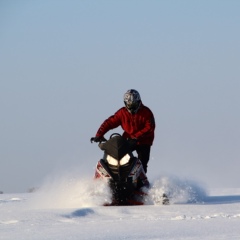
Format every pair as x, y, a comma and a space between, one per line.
71, 209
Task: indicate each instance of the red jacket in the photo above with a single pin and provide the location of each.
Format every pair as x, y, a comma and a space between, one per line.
139, 125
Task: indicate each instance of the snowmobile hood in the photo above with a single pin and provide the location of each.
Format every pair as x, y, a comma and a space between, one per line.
116, 147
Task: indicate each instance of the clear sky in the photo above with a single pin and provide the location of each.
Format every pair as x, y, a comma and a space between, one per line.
65, 65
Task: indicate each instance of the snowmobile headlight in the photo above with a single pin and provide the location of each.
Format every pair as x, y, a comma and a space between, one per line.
124, 160
112, 161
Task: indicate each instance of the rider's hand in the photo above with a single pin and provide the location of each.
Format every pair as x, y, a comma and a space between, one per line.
132, 142
96, 139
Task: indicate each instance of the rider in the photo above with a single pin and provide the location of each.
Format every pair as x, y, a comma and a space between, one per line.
138, 124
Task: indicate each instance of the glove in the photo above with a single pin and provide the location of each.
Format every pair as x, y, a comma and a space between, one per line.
96, 139
132, 142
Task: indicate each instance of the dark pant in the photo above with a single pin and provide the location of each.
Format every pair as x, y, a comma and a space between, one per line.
143, 152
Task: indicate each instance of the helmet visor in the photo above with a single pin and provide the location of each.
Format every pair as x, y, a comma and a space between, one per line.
133, 106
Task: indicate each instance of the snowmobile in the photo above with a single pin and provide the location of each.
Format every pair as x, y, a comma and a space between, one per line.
123, 172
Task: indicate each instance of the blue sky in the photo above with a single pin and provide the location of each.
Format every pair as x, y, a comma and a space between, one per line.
64, 68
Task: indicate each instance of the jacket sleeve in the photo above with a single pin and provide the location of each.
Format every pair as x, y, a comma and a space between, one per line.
112, 122
148, 128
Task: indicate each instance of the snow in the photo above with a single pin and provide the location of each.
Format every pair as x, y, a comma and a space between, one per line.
71, 208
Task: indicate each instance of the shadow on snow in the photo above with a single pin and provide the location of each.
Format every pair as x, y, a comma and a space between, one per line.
80, 213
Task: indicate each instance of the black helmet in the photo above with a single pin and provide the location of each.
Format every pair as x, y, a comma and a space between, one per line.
132, 100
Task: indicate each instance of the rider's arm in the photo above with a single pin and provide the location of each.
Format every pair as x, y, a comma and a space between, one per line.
112, 122
149, 125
